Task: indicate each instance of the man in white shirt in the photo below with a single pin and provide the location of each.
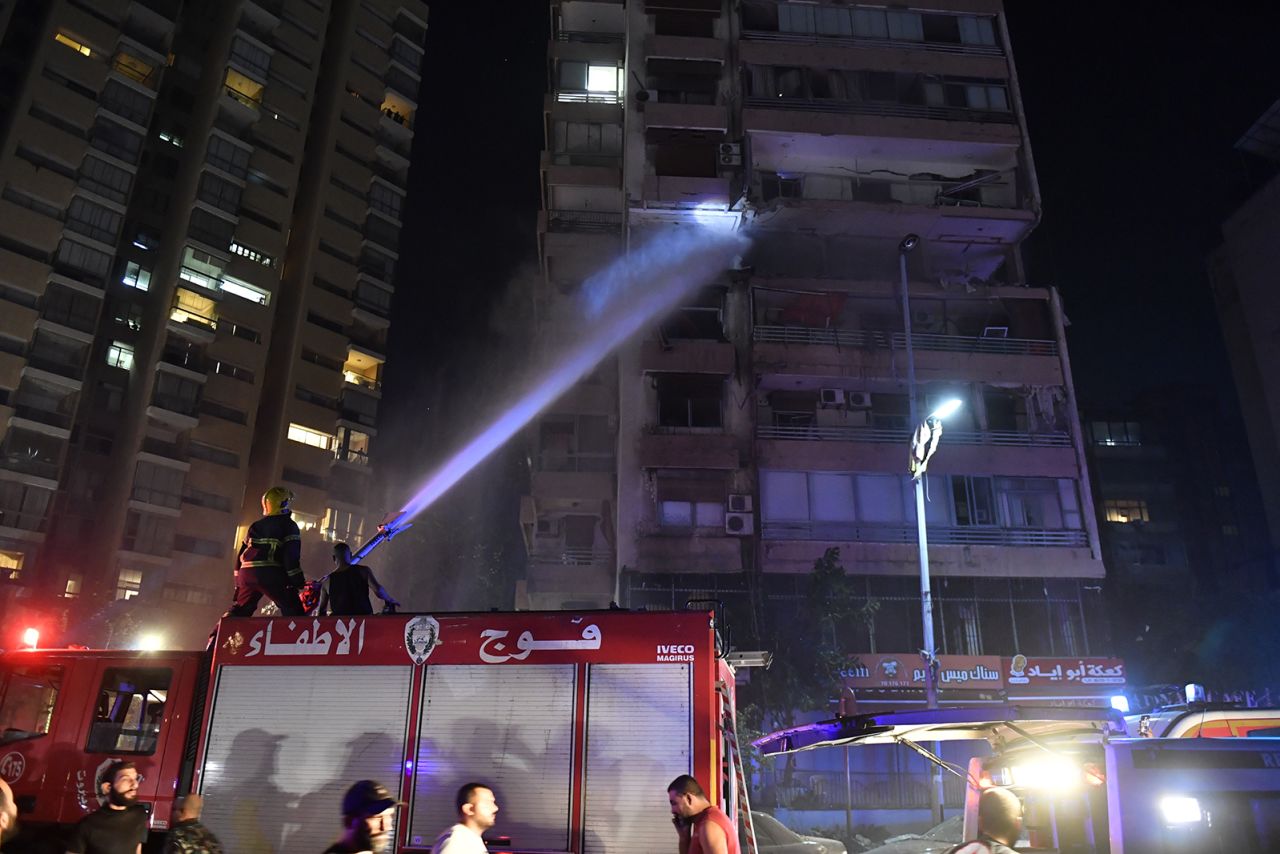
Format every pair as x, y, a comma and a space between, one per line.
476, 811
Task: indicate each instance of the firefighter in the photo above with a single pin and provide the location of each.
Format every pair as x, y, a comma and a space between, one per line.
269, 562
345, 591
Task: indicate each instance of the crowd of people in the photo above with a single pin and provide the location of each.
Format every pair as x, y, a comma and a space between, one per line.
120, 826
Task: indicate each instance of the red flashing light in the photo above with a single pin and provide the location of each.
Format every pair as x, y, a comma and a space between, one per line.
31, 637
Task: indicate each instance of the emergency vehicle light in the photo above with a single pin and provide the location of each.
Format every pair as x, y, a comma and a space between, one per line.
1120, 703
1178, 809
31, 637
1050, 773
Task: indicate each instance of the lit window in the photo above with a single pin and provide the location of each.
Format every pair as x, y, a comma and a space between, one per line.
602, 78
1125, 510
129, 584
78, 47
251, 254
137, 276
307, 436
244, 290
305, 521
74, 582
244, 89
11, 565
342, 525
120, 355
170, 138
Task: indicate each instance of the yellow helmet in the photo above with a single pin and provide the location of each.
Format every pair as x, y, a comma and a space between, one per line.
276, 500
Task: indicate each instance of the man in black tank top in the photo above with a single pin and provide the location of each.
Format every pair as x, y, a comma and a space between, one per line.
345, 592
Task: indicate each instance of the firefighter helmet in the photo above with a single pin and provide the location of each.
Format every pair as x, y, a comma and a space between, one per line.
276, 500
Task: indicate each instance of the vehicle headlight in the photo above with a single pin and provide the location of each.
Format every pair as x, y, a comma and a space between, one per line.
1179, 809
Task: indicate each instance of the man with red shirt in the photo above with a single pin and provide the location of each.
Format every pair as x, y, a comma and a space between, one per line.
702, 826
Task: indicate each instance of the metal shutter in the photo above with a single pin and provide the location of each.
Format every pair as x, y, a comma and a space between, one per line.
509, 727
639, 739
286, 742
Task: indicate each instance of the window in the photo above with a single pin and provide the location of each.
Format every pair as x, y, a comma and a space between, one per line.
26, 709
136, 276
250, 57
75, 582
352, 446
77, 46
217, 456
252, 254
75, 258
1032, 502
148, 534
307, 436
70, 308
120, 355
689, 400
584, 82
210, 228
128, 584
1125, 510
244, 290
589, 138
176, 394
219, 192
200, 498
110, 182
691, 514
975, 30
157, 484
235, 372
187, 594
1116, 433
93, 220
198, 546
126, 102
243, 89
22, 506
973, 500
11, 565
130, 710
116, 140
227, 156
341, 525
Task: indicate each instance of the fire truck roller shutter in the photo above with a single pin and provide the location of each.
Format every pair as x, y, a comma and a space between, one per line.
508, 725
282, 752
639, 739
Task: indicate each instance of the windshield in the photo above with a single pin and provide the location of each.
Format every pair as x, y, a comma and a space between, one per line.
27, 701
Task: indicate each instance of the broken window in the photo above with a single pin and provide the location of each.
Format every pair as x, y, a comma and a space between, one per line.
689, 400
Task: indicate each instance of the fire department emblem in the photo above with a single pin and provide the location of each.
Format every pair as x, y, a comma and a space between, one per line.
233, 643
12, 766
421, 636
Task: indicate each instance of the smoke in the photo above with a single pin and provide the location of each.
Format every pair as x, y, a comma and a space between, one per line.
615, 304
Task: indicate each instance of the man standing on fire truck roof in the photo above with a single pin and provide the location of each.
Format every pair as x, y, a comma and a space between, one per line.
120, 826
270, 560
702, 826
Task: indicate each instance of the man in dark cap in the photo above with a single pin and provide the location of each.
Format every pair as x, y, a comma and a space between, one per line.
368, 820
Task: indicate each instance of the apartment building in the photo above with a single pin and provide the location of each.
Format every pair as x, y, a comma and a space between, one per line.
198, 228
768, 419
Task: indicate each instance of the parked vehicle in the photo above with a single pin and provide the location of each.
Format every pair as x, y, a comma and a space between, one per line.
774, 837
1205, 720
1086, 787
579, 720
936, 839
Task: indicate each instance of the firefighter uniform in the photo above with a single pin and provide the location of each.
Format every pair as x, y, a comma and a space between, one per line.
270, 560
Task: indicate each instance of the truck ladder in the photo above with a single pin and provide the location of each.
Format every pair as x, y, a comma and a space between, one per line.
744, 800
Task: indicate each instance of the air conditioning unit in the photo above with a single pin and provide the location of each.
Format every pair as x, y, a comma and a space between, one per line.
831, 397
857, 399
739, 524
645, 95
730, 154
739, 504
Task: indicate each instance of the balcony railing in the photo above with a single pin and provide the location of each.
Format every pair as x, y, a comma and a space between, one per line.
161, 448
581, 462
1002, 438
938, 534
878, 339
870, 108
585, 97
572, 557
588, 222
584, 37
858, 42
21, 521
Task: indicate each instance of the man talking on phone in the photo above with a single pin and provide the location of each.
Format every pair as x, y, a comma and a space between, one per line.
702, 826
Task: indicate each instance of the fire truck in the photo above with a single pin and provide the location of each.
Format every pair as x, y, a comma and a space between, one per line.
1086, 787
578, 721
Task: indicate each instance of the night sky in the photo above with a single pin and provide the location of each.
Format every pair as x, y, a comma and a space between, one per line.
1133, 110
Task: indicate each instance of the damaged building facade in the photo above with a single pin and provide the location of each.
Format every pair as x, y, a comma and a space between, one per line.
767, 420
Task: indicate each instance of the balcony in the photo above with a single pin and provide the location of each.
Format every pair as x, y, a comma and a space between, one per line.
938, 534
585, 46
864, 354
683, 47
687, 357
584, 222
992, 438
41, 415
709, 117
676, 191
572, 557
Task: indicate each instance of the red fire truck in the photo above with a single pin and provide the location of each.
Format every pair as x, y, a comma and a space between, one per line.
578, 720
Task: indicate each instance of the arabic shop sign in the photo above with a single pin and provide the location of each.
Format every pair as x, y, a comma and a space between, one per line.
904, 670
1018, 675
